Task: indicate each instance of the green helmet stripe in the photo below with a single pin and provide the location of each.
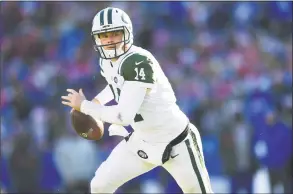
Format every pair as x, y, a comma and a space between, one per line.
109, 16
102, 18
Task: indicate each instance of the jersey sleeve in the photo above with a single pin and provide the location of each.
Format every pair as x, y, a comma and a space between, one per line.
138, 68
105, 95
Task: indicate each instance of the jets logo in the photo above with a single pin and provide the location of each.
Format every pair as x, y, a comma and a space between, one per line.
142, 154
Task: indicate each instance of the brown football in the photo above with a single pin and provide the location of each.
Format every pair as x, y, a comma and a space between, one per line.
86, 126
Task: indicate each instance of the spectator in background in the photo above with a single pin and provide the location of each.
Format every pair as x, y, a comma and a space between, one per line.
274, 149
2, 190
237, 154
21, 104
24, 165
76, 160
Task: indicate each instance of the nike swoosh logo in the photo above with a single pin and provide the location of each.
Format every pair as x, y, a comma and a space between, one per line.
174, 156
137, 63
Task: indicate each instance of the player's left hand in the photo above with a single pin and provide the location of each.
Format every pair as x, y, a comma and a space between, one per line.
73, 99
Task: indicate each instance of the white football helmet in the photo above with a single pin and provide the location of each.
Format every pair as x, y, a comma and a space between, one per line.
112, 19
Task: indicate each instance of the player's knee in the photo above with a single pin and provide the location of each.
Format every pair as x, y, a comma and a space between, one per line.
100, 183
103, 183
99, 186
191, 188
95, 185
196, 189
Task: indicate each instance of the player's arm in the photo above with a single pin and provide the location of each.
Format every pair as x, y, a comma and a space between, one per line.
104, 96
96, 101
138, 80
131, 98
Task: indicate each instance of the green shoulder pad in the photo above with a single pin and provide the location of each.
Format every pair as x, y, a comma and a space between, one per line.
137, 68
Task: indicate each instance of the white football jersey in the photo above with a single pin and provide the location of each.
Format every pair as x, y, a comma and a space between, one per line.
159, 118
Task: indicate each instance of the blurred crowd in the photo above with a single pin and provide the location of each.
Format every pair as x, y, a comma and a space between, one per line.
230, 64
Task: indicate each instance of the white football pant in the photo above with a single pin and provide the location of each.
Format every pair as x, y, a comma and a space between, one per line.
186, 165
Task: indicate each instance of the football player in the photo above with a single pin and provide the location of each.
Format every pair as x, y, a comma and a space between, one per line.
162, 136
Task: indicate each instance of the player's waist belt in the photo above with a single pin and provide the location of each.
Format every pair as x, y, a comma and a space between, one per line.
177, 140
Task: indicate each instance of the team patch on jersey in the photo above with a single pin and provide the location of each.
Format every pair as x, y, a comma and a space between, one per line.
142, 154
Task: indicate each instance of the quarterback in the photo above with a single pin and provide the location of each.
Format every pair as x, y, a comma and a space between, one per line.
162, 136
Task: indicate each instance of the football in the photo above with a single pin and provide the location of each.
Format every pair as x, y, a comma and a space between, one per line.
86, 126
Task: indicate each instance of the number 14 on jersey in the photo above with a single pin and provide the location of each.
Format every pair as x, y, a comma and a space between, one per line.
140, 75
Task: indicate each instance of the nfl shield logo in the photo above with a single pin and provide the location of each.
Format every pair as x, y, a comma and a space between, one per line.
116, 80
